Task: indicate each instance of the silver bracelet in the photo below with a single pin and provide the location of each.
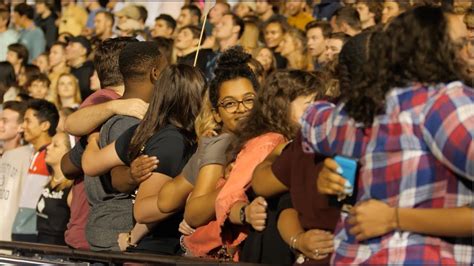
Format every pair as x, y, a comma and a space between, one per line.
293, 240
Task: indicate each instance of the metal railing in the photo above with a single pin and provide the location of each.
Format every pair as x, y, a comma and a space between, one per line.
57, 255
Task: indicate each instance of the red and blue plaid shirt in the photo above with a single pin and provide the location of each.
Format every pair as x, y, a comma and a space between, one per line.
417, 155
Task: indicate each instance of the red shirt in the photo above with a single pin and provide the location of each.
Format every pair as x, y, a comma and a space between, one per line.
298, 171
75, 235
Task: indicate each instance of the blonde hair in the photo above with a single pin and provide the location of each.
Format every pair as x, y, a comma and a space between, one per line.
298, 37
66, 183
77, 95
205, 121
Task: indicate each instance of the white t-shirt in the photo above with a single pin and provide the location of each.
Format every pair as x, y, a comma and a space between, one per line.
14, 166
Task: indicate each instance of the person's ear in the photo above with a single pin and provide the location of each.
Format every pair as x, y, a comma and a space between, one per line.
196, 20
195, 42
44, 126
21, 129
154, 74
216, 116
83, 51
170, 31
343, 27
236, 29
371, 15
299, 45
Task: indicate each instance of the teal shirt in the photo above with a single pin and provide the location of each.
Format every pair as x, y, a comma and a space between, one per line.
33, 39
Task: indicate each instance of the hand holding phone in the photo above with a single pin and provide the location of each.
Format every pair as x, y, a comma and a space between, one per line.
348, 169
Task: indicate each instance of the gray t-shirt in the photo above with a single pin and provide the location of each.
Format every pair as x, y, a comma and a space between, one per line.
211, 150
111, 212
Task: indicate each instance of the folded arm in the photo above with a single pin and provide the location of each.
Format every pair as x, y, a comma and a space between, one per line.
173, 194
264, 182
146, 207
85, 120
200, 208
96, 161
375, 218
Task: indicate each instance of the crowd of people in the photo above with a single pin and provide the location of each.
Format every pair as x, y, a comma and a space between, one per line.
307, 132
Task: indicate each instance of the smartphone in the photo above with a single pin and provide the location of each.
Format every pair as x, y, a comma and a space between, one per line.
349, 170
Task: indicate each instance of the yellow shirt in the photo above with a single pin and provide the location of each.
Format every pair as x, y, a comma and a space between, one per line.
299, 21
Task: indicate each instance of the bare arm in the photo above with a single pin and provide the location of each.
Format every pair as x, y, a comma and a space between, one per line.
173, 194
96, 161
126, 179
289, 225
200, 208
438, 222
255, 213
264, 182
138, 232
85, 120
146, 208
69, 199
307, 242
234, 215
122, 180
374, 218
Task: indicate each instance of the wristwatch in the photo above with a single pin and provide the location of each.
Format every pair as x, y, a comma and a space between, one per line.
243, 219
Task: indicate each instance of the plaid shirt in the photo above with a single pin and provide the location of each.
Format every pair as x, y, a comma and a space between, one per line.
416, 155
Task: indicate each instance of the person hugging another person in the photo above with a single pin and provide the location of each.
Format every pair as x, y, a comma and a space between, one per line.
166, 132
409, 124
214, 127
231, 97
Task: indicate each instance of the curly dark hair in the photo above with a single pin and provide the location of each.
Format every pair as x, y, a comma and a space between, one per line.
271, 111
352, 58
415, 47
232, 64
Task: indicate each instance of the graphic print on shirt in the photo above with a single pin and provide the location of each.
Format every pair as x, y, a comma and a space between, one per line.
7, 172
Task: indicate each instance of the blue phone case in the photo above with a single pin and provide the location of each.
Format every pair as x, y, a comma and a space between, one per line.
349, 169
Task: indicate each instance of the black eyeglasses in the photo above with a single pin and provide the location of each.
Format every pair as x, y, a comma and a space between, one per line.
231, 105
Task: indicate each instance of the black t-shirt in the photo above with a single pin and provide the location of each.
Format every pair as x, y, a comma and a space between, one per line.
205, 55
53, 214
173, 150
281, 62
83, 75
48, 25
169, 145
